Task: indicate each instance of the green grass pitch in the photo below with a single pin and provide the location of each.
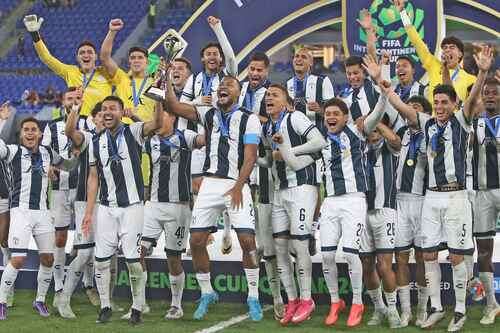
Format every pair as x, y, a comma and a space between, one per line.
22, 318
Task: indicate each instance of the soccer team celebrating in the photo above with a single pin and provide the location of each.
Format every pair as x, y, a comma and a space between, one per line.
380, 169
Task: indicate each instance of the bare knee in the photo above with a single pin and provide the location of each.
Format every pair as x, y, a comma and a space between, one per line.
456, 259
198, 240
430, 256
61, 238
174, 264
18, 261
47, 259
247, 242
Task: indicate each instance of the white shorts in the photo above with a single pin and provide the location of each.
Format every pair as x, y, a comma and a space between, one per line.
197, 162
265, 230
171, 218
119, 224
342, 216
211, 202
61, 208
80, 240
4, 205
25, 223
448, 215
409, 224
293, 211
487, 207
378, 236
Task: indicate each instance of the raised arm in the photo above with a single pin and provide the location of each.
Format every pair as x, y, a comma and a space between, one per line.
151, 126
293, 161
107, 61
71, 125
33, 25
180, 109
227, 49
371, 36
315, 142
483, 59
426, 57
392, 138
371, 121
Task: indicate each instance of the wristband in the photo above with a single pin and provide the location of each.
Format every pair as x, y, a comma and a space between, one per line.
35, 35
405, 18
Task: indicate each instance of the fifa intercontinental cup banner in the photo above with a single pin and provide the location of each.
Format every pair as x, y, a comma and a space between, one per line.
426, 17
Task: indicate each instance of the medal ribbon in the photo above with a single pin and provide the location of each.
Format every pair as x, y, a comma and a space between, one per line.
225, 119
136, 96
86, 82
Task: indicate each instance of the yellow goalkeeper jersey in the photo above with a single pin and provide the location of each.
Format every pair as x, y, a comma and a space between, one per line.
461, 79
97, 84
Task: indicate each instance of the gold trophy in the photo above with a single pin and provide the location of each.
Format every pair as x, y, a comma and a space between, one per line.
174, 45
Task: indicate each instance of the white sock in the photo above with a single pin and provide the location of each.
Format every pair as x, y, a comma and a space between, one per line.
377, 300
273, 279
75, 271
176, 288
391, 298
356, 274
59, 263
205, 283
404, 298
487, 281
5, 256
469, 264
43, 279
423, 297
285, 268
9, 276
137, 285
460, 286
330, 274
433, 281
252, 275
102, 277
227, 224
304, 267
113, 274
88, 272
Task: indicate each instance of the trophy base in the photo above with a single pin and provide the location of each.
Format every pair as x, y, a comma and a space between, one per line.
156, 94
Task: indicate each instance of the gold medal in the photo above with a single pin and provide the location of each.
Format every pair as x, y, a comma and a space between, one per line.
433, 154
410, 162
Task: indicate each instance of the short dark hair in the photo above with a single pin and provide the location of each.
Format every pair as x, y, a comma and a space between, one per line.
113, 98
423, 102
138, 49
407, 58
213, 44
455, 41
283, 90
86, 43
491, 81
186, 61
30, 120
353, 60
447, 90
96, 109
232, 78
70, 89
260, 56
338, 103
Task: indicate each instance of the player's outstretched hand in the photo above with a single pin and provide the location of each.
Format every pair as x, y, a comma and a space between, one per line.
399, 4
213, 21
484, 59
115, 25
33, 23
366, 19
236, 196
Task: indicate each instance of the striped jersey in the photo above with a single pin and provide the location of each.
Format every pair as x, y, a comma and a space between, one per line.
313, 88
180, 122
5, 180
360, 100
405, 92
30, 181
83, 167
170, 164
381, 163
344, 160
412, 166
227, 133
446, 148
486, 153
294, 127
118, 162
254, 99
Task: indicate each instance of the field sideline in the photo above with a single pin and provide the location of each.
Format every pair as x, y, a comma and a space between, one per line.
22, 318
